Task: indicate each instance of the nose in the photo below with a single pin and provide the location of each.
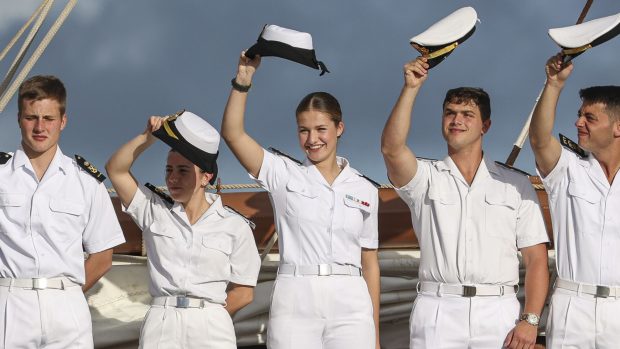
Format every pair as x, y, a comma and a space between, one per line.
457, 119
580, 121
38, 125
312, 137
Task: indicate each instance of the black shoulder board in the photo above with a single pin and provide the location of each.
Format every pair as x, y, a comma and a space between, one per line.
246, 219
277, 152
160, 193
572, 146
4, 157
89, 168
370, 180
512, 168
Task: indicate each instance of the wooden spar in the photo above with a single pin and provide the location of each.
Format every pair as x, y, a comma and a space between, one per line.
518, 145
395, 230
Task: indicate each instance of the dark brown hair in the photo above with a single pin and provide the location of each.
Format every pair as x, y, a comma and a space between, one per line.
323, 102
463, 95
42, 87
608, 95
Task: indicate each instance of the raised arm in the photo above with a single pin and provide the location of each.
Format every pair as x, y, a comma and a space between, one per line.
399, 159
546, 148
119, 164
246, 149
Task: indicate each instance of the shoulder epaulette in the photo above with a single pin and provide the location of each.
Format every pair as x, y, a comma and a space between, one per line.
5, 157
246, 219
277, 152
512, 168
376, 184
160, 193
89, 168
572, 146
425, 159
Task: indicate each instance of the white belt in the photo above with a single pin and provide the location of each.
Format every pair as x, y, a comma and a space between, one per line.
466, 290
181, 302
319, 269
594, 290
59, 283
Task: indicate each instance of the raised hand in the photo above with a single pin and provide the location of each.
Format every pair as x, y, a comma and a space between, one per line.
416, 72
247, 68
557, 71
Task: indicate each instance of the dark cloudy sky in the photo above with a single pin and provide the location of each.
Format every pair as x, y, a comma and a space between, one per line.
123, 61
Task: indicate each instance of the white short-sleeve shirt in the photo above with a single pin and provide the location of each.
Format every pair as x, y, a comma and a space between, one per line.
45, 226
585, 211
195, 260
471, 234
318, 223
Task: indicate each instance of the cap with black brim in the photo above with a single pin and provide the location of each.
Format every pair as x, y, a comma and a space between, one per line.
438, 41
194, 138
286, 43
577, 39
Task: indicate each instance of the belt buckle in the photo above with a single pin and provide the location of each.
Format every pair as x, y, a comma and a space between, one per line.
469, 291
182, 302
602, 292
325, 269
39, 283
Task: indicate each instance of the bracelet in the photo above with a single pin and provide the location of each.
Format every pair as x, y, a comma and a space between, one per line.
239, 87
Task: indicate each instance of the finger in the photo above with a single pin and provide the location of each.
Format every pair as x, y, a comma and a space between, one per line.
508, 339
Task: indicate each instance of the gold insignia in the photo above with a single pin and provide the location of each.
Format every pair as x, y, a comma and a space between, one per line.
90, 169
572, 146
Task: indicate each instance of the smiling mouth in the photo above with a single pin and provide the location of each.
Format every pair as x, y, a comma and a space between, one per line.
314, 147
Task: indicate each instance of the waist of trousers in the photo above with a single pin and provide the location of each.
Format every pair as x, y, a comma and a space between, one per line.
440, 289
57, 283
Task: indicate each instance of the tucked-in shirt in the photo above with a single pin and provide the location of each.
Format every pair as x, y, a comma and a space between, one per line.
196, 260
585, 211
320, 223
46, 225
470, 234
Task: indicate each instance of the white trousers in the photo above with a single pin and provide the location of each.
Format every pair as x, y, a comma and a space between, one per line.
583, 321
455, 322
167, 327
48, 319
320, 312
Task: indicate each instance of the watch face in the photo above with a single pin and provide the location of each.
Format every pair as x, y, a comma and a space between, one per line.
531, 319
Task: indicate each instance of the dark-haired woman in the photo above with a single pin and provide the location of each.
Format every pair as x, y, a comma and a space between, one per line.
326, 294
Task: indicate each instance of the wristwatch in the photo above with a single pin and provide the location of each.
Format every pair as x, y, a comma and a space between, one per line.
530, 318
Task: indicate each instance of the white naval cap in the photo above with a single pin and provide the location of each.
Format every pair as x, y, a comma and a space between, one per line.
194, 138
576, 39
288, 44
441, 38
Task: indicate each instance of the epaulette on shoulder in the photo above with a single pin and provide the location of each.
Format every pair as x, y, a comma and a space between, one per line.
425, 159
5, 157
572, 146
246, 219
160, 193
376, 184
277, 152
512, 168
89, 168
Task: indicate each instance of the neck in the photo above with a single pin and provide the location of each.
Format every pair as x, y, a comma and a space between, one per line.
609, 159
467, 161
196, 207
329, 169
40, 161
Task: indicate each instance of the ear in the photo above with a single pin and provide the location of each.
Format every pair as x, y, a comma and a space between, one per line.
205, 179
486, 125
616, 128
340, 129
63, 122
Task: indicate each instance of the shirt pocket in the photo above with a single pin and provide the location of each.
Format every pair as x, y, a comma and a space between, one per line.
354, 214
214, 261
301, 200
585, 204
500, 214
11, 207
445, 212
67, 219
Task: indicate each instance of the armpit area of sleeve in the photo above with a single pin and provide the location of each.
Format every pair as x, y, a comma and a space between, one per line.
265, 166
369, 243
139, 199
559, 171
114, 241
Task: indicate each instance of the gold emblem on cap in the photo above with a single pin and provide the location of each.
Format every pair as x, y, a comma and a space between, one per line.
170, 118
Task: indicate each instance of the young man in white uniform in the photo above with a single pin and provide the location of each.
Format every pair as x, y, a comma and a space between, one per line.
52, 210
471, 218
203, 262
584, 200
